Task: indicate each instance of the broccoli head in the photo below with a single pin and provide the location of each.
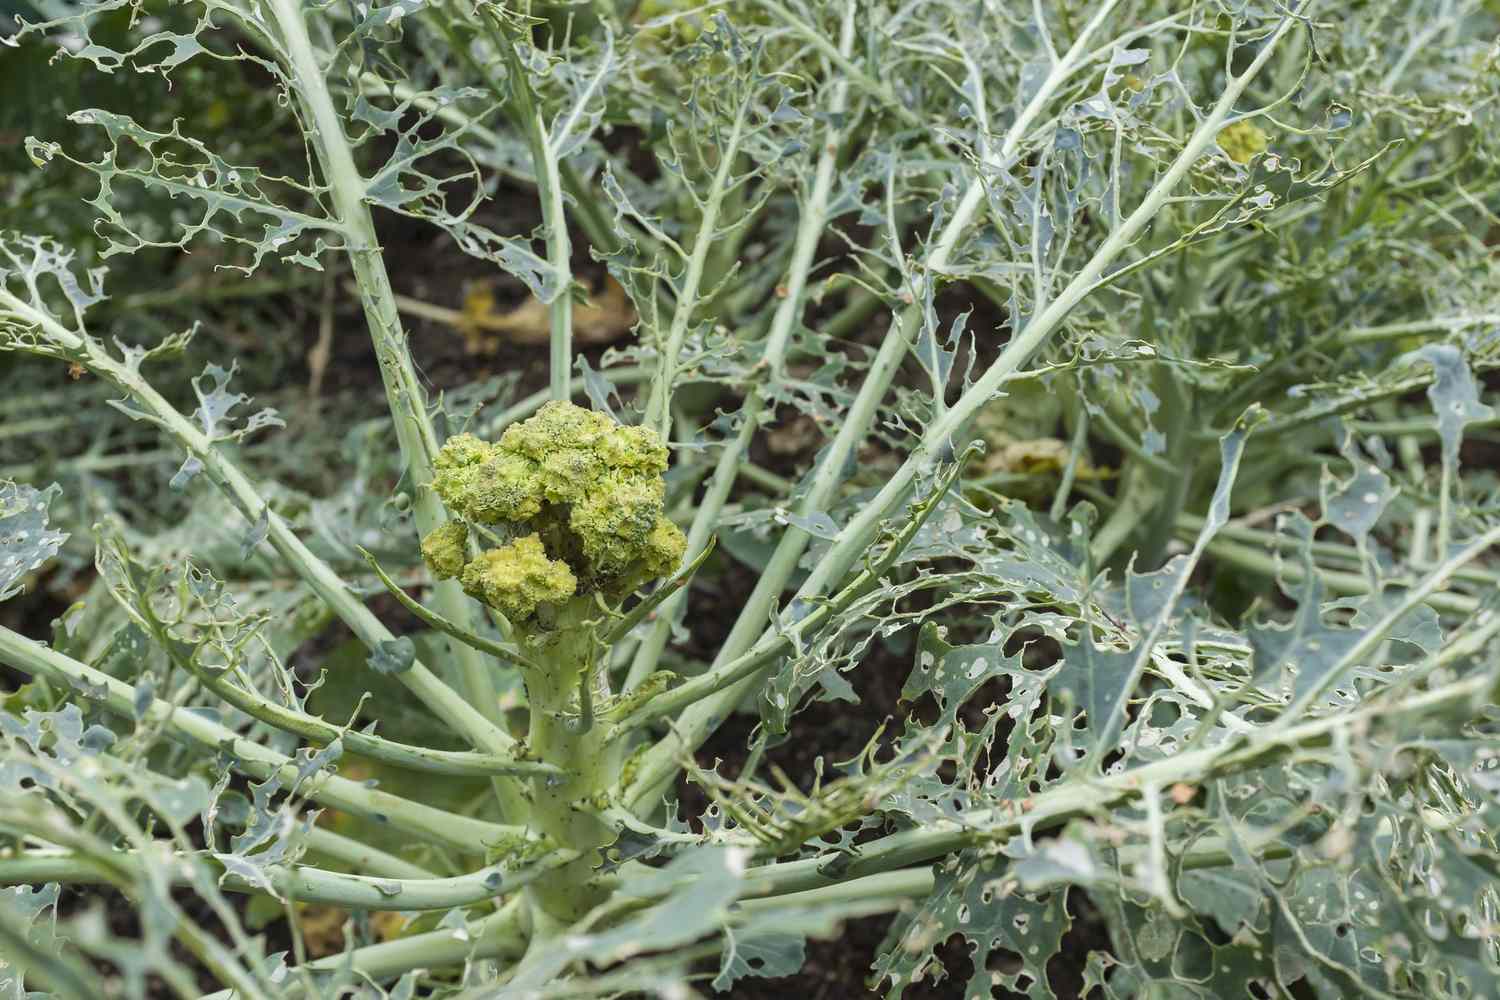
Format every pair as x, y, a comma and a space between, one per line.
589, 490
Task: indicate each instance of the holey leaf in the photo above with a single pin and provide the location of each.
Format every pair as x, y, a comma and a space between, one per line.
1354, 505
29, 916
1454, 395
26, 542
954, 676
973, 897
212, 415
769, 954
1306, 646
197, 193
418, 179
39, 746
1100, 680
31, 267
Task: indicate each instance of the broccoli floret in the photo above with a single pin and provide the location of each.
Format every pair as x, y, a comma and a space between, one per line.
515, 578
589, 490
665, 547
460, 451
488, 486
1242, 141
614, 520
444, 550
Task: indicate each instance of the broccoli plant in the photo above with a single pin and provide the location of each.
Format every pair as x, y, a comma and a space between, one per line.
1013, 482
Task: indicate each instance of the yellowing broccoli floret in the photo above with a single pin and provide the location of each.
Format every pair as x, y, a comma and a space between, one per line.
445, 551
500, 487
462, 450
614, 520
665, 547
556, 425
518, 577
634, 448
1242, 141
590, 489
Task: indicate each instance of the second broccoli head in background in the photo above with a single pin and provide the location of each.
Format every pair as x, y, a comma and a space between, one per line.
582, 498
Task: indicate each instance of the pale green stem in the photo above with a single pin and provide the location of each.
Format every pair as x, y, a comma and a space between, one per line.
405, 755
766, 887
319, 576
302, 883
905, 883
1420, 533
90, 463
461, 832
554, 219
38, 425
1141, 490
1262, 564
404, 393
1347, 403
566, 810
361, 857
501, 935
1423, 426
658, 413
660, 762
1188, 525
810, 230
1395, 331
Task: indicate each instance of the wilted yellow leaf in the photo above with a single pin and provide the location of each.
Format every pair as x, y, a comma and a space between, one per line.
1037, 456
606, 317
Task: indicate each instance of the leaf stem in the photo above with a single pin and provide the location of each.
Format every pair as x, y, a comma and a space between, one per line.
659, 401
355, 797
501, 935
695, 724
554, 219
404, 393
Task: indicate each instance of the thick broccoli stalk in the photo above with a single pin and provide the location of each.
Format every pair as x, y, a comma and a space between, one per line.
589, 491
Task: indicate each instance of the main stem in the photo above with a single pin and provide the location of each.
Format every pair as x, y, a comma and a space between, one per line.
567, 809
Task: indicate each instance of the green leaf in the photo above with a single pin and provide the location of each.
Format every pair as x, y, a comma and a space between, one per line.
768, 954
972, 897
26, 541
393, 656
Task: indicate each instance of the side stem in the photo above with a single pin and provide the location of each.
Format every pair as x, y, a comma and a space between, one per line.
404, 392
